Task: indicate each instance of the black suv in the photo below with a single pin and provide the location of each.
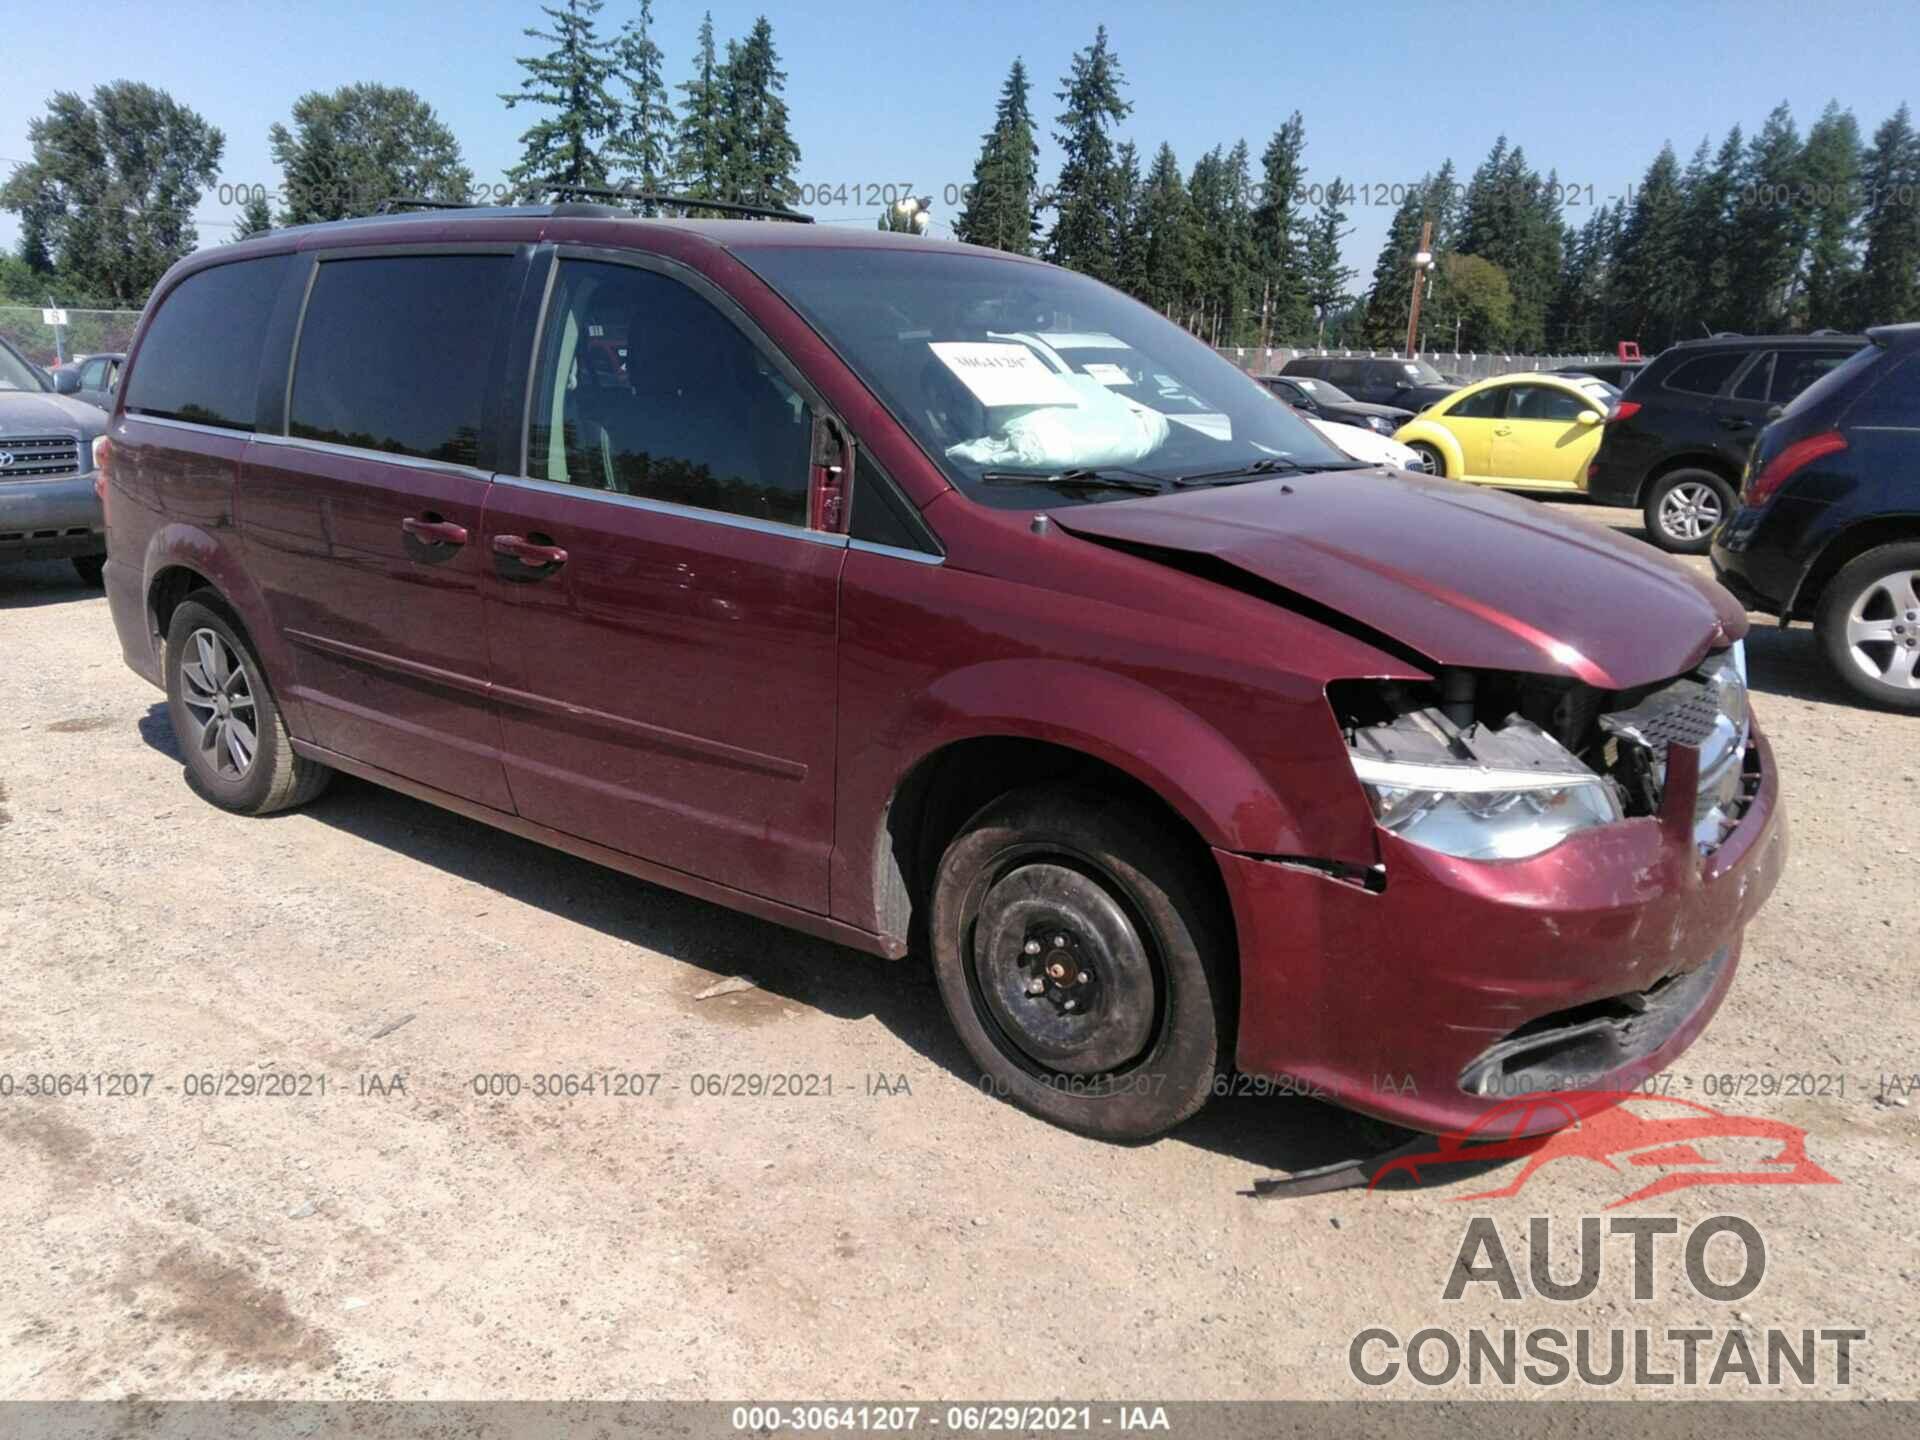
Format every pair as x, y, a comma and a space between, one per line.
1829, 524
1324, 400
1676, 441
1377, 380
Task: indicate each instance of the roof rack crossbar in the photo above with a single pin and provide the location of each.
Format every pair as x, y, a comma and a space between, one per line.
684, 202
395, 203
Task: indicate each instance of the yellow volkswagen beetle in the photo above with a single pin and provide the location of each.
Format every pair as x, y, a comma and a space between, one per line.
1531, 431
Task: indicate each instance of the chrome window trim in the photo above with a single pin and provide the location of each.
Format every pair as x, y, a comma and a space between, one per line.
874, 547
196, 426
387, 457
668, 507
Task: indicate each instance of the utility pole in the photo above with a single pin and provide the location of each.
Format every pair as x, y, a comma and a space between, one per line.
1422, 259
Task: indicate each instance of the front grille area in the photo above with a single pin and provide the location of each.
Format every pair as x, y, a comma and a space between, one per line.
38, 456
1708, 710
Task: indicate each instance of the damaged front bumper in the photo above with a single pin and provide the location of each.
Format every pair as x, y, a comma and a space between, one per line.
1434, 998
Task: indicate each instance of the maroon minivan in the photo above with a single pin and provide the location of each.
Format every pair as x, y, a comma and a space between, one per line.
934, 600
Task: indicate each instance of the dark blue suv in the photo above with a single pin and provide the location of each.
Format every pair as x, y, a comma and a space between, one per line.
1829, 522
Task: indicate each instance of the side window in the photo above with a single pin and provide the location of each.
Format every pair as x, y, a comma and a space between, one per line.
394, 353
1797, 370
692, 413
1346, 373
876, 509
1546, 402
1488, 404
93, 375
1705, 374
1753, 384
200, 359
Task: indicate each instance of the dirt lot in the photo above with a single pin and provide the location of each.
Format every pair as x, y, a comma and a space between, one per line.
905, 1237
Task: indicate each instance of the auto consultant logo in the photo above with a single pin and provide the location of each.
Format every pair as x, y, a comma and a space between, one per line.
1656, 1144
1724, 1261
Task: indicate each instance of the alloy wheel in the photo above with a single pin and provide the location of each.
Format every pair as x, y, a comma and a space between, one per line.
220, 707
1883, 630
1691, 510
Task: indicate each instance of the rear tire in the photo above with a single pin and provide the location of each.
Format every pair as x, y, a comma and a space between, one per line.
91, 569
1047, 886
1436, 462
231, 734
1869, 626
1684, 508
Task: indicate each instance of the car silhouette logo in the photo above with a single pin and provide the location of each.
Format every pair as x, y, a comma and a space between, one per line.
1662, 1133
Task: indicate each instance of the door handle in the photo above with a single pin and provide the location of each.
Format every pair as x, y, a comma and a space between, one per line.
1504, 430
434, 532
1734, 422
528, 552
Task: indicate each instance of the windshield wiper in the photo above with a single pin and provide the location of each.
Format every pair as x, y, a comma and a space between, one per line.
1091, 479
1265, 465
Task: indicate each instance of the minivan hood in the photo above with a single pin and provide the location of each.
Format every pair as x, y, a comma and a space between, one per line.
1460, 576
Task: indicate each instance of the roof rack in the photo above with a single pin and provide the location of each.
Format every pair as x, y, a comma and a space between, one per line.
395, 203
683, 202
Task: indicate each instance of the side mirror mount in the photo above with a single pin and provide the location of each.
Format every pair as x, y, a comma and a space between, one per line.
66, 381
1588, 417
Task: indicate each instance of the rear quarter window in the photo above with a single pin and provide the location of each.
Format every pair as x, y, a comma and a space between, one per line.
1885, 383
200, 360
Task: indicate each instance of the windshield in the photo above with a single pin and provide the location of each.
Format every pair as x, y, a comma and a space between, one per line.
1003, 369
1323, 391
16, 373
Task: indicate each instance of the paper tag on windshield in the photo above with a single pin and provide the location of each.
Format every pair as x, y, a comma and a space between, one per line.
1107, 374
1002, 374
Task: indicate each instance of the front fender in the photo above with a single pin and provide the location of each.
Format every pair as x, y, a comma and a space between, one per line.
1138, 730
1440, 438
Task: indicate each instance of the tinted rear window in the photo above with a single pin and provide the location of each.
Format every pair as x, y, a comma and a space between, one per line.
394, 353
1705, 374
1885, 405
201, 358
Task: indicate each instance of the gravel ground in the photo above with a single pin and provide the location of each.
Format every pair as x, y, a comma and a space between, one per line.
906, 1237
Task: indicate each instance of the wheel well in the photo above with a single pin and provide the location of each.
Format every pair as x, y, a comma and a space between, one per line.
169, 588
1846, 547
949, 787
1714, 463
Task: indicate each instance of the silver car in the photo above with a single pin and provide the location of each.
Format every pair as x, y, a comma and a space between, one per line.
48, 508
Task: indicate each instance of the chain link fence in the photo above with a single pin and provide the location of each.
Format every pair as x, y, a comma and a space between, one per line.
1258, 360
87, 332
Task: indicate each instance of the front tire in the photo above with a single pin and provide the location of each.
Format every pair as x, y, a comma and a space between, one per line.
1869, 626
1436, 462
1079, 952
1684, 508
231, 733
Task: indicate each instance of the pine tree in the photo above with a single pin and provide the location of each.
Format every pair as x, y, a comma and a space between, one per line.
1888, 290
642, 149
1279, 276
1327, 277
759, 154
1768, 229
1212, 243
1653, 256
571, 80
1830, 189
1083, 237
1166, 231
1000, 207
256, 218
699, 151
1239, 287
1130, 254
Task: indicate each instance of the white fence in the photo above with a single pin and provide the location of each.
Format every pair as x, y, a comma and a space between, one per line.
1465, 366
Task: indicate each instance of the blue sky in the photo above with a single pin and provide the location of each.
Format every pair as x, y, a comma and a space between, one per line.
886, 93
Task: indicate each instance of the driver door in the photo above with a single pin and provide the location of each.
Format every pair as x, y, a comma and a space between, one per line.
1472, 421
1541, 442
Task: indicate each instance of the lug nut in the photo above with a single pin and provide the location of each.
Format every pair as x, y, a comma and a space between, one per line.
1059, 942
1036, 987
1032, 947
1083, 977
1068, 1005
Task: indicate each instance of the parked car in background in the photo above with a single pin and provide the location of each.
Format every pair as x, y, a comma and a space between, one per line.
1529, 431
1323, 400
1828, 527
48, 508
1369, 445
1675, 445
1178, 741
94, 379
1377, 380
